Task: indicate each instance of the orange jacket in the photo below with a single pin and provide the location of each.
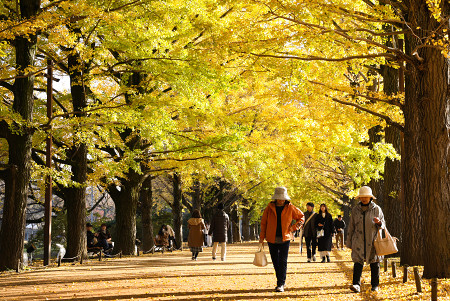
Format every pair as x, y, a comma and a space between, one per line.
269, 222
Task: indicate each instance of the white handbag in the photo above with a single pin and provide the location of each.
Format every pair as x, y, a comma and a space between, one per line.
260, 257
387, 245
320, 233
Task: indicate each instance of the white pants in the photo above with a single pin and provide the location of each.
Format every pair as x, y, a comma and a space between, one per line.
223, 249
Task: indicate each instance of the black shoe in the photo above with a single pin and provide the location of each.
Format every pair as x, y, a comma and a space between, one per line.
328, 259
323, 259
279, 288
374, 288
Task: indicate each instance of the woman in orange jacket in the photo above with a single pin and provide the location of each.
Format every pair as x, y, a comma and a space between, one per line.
276, 228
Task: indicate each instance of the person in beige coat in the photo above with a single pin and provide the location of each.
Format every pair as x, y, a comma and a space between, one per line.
195, 238
365, 221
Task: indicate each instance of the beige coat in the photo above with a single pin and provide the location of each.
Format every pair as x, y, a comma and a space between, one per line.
196, 226
360, 241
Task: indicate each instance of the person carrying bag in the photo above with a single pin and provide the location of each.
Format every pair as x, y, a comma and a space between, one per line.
277, 228
309, 232
301, 234
366, 220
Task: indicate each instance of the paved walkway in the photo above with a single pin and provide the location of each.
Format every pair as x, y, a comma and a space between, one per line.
174, 276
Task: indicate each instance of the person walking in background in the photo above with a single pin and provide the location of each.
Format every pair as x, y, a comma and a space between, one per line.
324, 221
195, 238
339, 226
309, 232
219, 231
365, 221
276, 228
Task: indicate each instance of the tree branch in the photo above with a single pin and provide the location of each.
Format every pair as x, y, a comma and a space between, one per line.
7, 86
316, 58
384, 117
341, 194
23, 76
344, 33
97, 203
187, 159
393, 102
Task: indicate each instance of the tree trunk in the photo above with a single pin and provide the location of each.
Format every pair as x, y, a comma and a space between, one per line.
376, 185
255, 232
20, 144
196, 201
177, 209
75, 196
412, 252
347, 205
75, 203
392, 207
147, 211
246, 231
430, 80
126, 201
235, 222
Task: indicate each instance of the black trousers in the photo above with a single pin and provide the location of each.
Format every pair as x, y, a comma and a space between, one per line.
173, 242
374, 273
279, 255
311, 244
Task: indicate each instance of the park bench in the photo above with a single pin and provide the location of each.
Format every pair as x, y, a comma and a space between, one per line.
92, 253
159, 246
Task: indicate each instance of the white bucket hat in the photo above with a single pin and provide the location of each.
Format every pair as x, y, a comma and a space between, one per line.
365, 191
280, 194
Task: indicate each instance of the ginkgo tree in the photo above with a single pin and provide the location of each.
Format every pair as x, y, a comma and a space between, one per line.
323, 40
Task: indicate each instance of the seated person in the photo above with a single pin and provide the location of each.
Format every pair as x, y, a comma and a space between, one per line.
104, 238
91, 239
162, 238
172, 241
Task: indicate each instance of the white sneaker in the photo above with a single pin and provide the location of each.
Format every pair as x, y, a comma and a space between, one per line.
355, 288
309, 260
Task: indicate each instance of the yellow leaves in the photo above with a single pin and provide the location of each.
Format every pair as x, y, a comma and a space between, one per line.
435, 8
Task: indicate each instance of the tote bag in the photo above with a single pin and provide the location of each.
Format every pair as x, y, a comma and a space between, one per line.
260, 257
387, 245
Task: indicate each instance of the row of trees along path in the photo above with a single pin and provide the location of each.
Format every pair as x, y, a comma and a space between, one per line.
174, 276
185, 84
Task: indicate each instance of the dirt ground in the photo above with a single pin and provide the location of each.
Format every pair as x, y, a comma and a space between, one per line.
174, 276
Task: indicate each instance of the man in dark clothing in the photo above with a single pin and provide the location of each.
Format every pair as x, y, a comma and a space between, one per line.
219, 230
339, 225
90, 237
104, 238
309, 232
